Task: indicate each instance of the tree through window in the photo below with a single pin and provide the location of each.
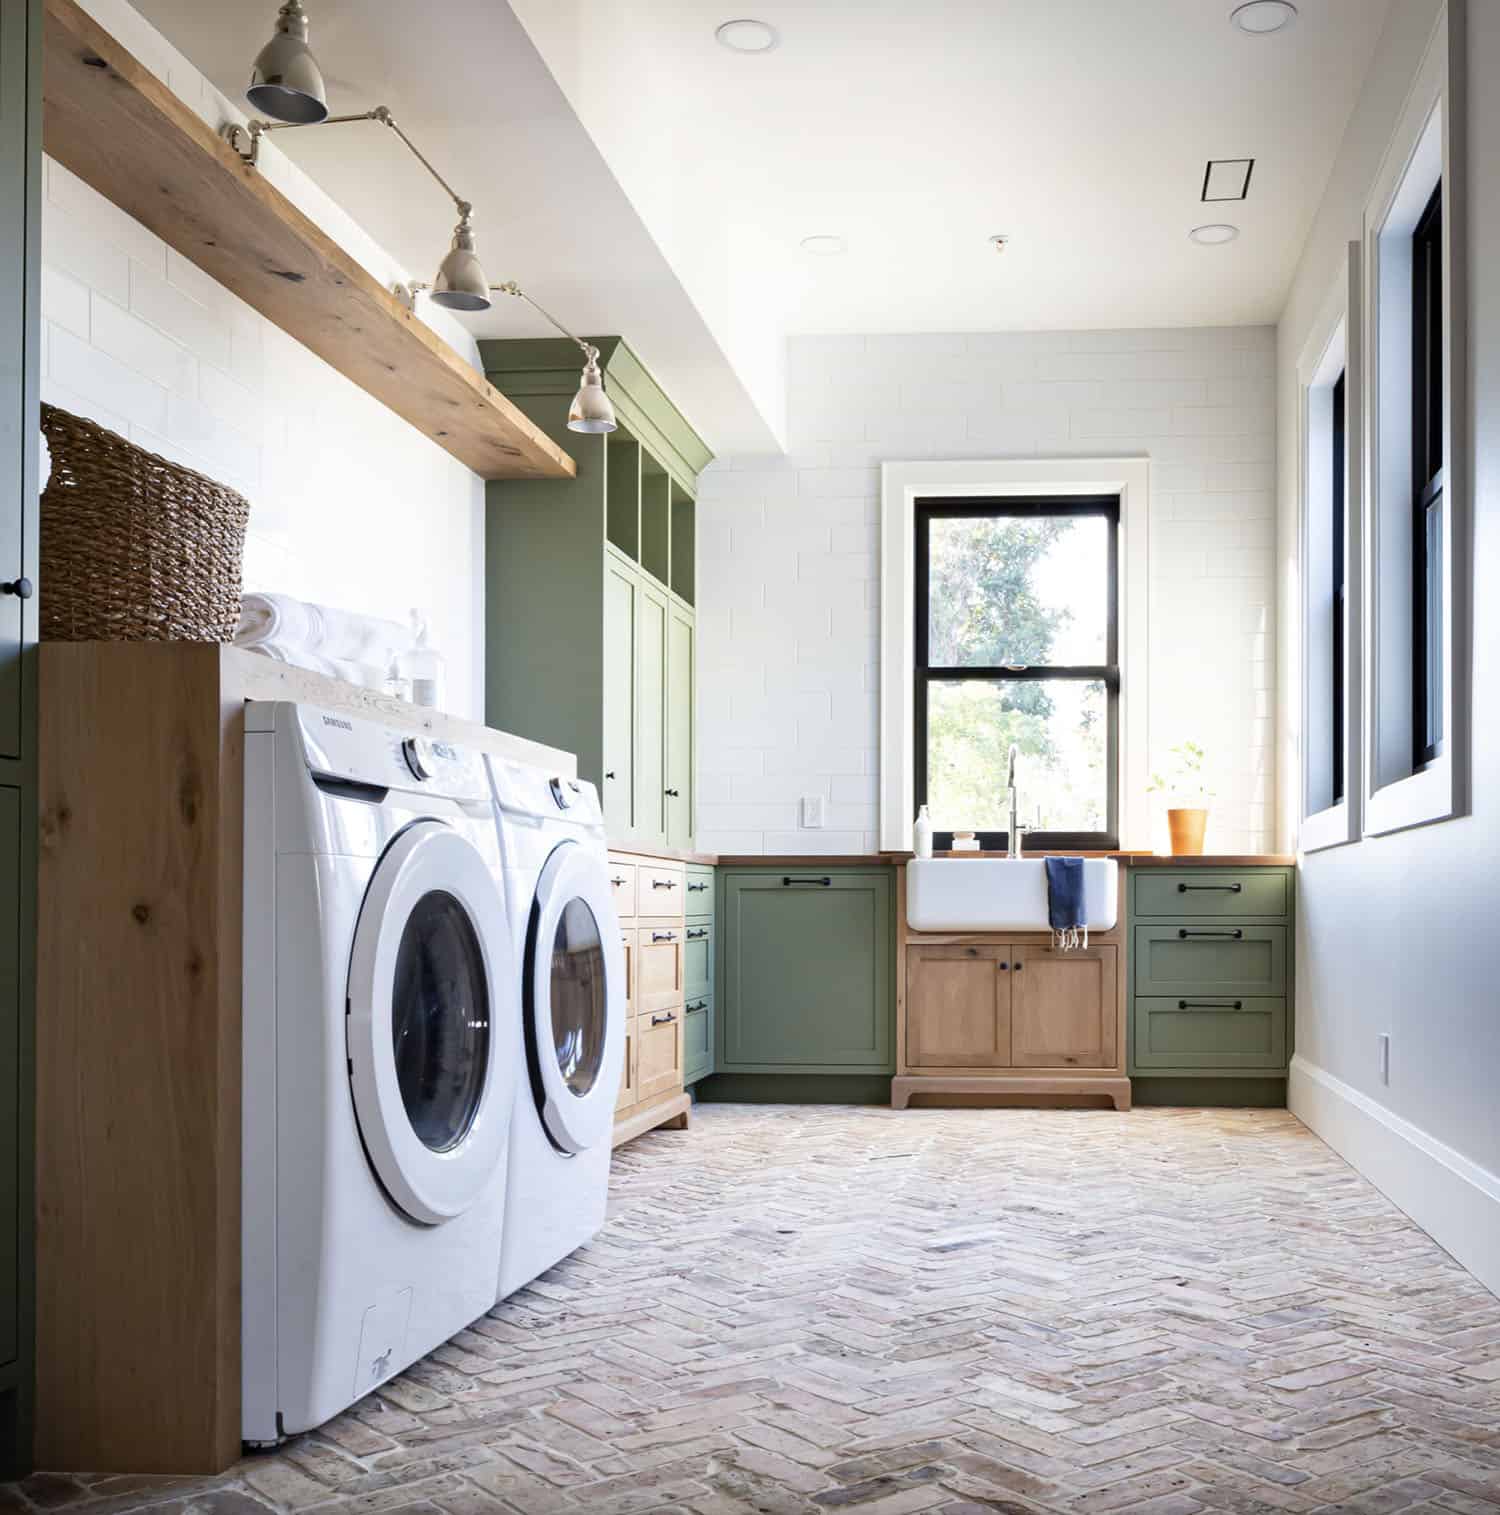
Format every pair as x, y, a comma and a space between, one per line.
1016, 643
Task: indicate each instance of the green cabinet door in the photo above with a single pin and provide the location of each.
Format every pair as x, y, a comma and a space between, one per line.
618, 788
807, 971
1215, 960
698, 1038
698, 959
10, 1061
652, 610
1219, 1032
680, 675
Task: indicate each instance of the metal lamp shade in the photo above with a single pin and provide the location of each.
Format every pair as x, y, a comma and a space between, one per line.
591, 410
461, 283
286, 82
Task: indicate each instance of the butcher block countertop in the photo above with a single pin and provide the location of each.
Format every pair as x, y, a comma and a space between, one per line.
870, 859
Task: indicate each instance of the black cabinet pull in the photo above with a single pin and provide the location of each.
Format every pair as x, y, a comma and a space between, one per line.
1232, 888
701, 1005
823, 883
1183, 932
1016, 968
663, 1020
617, 880
21, 588
1210, 1004
696, 888
663, 936
663, 883
672, 793
1004, 966
697, 933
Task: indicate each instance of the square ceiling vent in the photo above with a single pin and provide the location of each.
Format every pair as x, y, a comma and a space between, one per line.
1227, 178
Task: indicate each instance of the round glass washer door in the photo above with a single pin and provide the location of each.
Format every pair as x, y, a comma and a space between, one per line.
429, 995
575, 999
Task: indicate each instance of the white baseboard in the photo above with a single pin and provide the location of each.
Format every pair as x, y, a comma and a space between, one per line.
1452, 1198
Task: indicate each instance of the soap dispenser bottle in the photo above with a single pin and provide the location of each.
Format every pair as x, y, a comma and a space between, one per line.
922, 834
422, 666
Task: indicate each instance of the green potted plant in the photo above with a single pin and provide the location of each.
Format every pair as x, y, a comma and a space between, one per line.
1187, 798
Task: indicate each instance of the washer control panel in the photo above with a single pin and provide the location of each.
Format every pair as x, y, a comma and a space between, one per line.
364, 752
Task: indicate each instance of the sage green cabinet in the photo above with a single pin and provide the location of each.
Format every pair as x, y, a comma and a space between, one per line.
590, 590
20, 347
1211, 973
698, 959
806, 980
698, 1033
1221, 960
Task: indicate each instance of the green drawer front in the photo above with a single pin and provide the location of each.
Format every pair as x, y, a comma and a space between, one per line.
1179, 961
1210, 1031
1196, 893
700, 893
698, 959
698, 1038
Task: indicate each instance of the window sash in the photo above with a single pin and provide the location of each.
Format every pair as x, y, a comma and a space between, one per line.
1108, 673
1340, 589
1427, 481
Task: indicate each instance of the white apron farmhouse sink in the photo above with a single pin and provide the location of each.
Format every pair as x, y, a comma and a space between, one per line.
1000, 894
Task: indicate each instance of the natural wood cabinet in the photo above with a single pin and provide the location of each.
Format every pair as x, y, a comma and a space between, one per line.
658, 968
629, 1087
1063, 1008
958, 1007
659, 1048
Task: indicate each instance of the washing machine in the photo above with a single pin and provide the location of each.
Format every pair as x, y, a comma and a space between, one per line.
382, 1054
573, 1009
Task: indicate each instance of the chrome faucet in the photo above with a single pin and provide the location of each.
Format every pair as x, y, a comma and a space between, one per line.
1013, 836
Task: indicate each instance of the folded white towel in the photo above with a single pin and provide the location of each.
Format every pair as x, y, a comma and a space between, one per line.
364, 675
283, 621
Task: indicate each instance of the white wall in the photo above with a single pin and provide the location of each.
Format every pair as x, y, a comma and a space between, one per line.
350, 505
1396, 934
789, 571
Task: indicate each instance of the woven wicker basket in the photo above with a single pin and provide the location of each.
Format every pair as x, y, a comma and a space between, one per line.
134, 548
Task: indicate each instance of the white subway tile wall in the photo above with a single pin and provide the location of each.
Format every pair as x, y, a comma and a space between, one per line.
789, 566
350, 505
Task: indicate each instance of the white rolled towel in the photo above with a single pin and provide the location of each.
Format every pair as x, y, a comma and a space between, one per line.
288, 624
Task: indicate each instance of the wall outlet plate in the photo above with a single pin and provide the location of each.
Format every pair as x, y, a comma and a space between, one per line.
812, 812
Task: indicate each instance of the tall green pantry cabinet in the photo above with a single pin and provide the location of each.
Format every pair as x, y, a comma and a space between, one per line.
20, 256
591, 593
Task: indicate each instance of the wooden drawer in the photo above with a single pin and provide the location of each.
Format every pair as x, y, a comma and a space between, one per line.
658, 968
700, 893
698, 1037
1198, 893
629, 1096
659, 1052
1210, 1031
1238, 961
660, 889
622, 878
698, 959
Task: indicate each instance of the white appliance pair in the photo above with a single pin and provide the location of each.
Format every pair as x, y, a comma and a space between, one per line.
434, 1007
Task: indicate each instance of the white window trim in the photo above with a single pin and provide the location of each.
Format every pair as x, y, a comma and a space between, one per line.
1333, 346
902, 485
1424, 141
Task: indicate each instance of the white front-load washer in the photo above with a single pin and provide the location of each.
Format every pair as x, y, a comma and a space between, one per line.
382, 1052
573, 1009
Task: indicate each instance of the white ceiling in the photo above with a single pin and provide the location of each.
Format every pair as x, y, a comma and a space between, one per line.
643, 179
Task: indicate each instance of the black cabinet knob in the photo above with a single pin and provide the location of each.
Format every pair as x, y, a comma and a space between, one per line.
673, 794
21, 588
610, 774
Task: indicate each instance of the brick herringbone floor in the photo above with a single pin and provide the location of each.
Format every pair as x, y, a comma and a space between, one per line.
814, 1309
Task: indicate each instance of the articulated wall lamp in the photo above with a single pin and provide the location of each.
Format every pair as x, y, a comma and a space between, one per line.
286, 82
460, 283
591, 410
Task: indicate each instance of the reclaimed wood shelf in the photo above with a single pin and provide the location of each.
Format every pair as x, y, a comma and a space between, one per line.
110, 120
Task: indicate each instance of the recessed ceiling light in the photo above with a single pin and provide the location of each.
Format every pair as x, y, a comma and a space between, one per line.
747, 36
1000, 241
1214, 233
1261, 17
824, 246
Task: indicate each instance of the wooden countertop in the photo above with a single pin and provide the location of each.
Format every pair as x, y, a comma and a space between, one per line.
872, 859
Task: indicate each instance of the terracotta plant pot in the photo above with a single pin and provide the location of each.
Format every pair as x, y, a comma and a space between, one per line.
1187, 828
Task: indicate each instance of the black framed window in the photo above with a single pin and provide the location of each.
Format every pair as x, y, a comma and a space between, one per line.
1427, 481
1339, 587
1017, 642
